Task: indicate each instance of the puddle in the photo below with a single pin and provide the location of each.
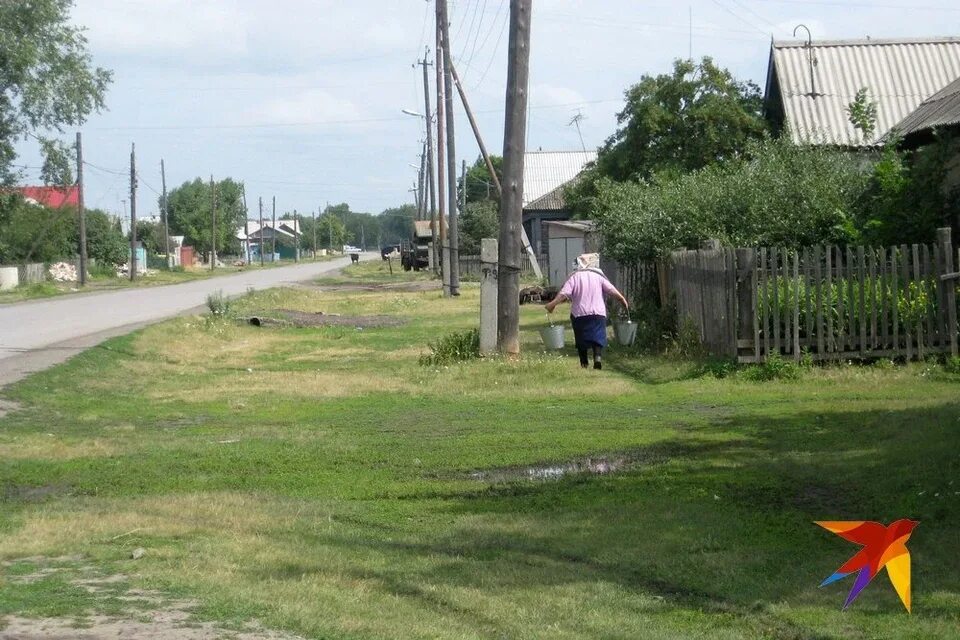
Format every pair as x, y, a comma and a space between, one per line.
289, 318
599, 465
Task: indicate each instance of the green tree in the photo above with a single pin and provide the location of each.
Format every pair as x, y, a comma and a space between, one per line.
479, 184
396, 224
862, 113
105, 242
32, 233
684, 121
47, 78
331, 232
152, 236
480, 220
190, 214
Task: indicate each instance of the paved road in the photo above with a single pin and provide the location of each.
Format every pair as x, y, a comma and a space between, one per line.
35, 335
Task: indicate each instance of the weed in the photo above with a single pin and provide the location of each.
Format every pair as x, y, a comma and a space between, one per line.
687, 343
776, 367
884, 364
454, 347
719, 368
219, 304
952, 365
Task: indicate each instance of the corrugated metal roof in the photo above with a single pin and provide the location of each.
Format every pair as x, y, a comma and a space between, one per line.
423, 229
544, 171
552, 201
899, 74
940, 109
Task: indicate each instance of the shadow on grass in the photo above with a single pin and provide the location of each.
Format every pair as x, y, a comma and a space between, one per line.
725, 528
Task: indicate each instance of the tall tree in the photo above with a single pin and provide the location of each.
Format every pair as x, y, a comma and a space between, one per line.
47, 78
684, 121
190, 214
479, 184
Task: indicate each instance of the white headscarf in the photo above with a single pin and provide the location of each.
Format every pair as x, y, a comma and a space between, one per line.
589, 262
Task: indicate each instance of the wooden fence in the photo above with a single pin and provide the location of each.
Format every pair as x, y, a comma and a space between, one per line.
470, 266
829, 302
32, 273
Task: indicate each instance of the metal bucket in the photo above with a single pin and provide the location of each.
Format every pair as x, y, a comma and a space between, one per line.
552, 336
625, 332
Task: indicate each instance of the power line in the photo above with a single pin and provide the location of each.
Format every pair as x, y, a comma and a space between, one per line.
739, 17
110, 171
758, 16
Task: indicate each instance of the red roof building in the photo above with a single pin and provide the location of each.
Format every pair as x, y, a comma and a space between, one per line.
53, 197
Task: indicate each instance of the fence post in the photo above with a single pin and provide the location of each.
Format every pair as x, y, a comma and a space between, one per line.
711, 244
946, 250
488, 295
746, 294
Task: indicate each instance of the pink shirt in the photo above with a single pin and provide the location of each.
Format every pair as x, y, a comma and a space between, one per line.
586, 290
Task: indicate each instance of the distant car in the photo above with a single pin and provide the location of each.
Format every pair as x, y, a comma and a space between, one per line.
351, 249
390, 251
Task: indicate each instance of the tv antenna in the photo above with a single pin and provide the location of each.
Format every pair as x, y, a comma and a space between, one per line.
575, 122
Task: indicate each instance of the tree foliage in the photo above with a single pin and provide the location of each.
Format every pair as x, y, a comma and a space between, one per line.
779, 195
47, 78
32, 233
105, 241
480, 220
190, 207
684, 121
479, 183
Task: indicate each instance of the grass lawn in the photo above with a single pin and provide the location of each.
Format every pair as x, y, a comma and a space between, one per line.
321, 481
107, 283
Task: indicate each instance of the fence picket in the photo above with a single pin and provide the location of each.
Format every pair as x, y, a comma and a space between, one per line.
764, 301
895, 273
918, 282
872, 266
862, 301
817, 257
796, 306
940, 293
908, 330
925, 270
851, 303
808, 318
829, 301
884, 294
775, 274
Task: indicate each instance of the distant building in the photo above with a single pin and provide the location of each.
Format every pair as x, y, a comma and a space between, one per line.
286, 233
546, 175
810, 85
53, 197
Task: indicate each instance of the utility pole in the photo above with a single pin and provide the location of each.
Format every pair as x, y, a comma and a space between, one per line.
330, 225
363, 238
213, 224
133, 212
273, 232
166, 213
463, 188
296, 238
422, 185
429, 164
511, 204
492, 171
246, 219
441, 153
314, 235
81, 213
454, 239
260, 244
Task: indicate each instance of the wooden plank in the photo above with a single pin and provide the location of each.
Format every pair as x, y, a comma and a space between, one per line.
940, 317
946, 246
818, 283
862, 299
841, 292
918, 279
796, 306
884, 285
807, 291
775, 315
895, 297
905, 295
764, 301
787, 303
926, 269
872, 270
851, 302
731, 293
829, 301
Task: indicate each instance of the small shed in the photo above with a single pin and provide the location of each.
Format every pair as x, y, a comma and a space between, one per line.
567, 239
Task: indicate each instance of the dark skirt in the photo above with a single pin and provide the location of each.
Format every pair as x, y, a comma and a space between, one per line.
590, 331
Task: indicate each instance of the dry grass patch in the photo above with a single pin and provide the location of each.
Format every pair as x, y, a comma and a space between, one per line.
52, 447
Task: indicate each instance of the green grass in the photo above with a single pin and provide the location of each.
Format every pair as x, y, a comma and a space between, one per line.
320, 481
109, 283
375, 272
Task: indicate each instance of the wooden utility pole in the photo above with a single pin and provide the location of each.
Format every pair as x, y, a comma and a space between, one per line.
81, 214
330, 226
296, 238
441, 154
273, 232
314, 235
452, 224
422, 182
463, 188
511, 204
166, 213
246, 219
213, 224
534, 262
260, 244
133, 211
429, 164
363, 238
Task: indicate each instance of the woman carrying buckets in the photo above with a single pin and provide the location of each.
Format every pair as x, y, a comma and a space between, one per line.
585, 290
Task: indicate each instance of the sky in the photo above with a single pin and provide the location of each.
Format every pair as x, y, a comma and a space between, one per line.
302, 99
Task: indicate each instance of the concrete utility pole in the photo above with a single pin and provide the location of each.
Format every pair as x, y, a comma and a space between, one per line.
213, 224
454, 239
429, 165
273, 232
260, 244
511, 204
81, 214
166, 213
441, 153
133, 211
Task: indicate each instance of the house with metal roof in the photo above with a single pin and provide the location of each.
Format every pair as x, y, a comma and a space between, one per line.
546, 174
810, 84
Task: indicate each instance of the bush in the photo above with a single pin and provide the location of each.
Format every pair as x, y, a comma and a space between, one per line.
780, 195
952, 365
775, 368
219, 304
454, 347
